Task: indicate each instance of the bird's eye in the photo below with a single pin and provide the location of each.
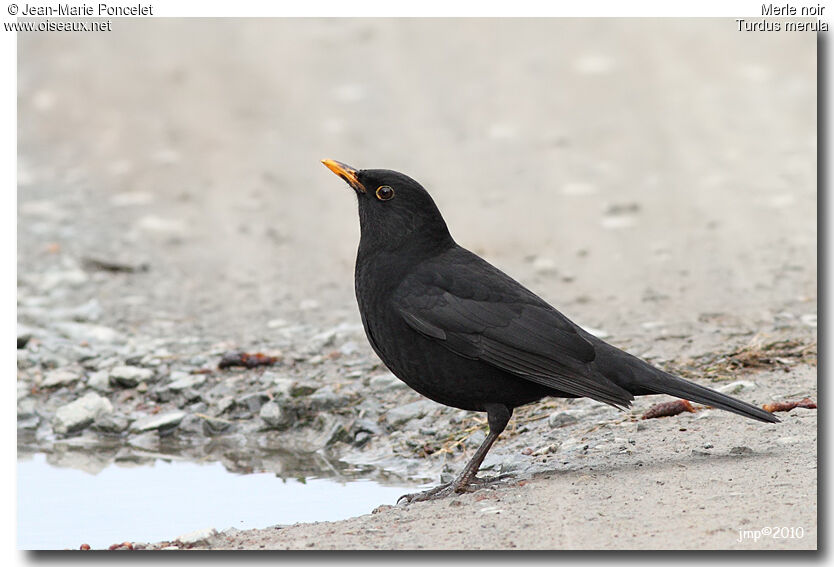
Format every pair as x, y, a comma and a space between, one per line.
384, 193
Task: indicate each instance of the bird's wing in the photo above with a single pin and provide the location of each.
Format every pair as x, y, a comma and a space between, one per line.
477, 311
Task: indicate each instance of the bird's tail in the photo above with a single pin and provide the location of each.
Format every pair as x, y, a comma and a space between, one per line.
665, 383
641, 378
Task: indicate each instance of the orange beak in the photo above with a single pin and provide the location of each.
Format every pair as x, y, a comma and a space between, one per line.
346, 172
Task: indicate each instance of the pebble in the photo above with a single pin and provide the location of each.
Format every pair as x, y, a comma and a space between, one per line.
301, 390
736, 387
414, 410
547, 449
254, 401
27, 415
55, 378
349, 348
224, 404
196, 536
99, 380
564, 417
361, 438
86, 312
275, 416
148, 441
25, 334
280, 386
326, 398
183, 380
88, 332
25, 360
77, 415
129, 376
214, 425
110, 423
160, 422
386, 383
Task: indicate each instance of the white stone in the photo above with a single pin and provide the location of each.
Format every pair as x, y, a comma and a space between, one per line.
184, 380
414, 410
386, 383
82, 412
564, 417
196, 536
129, 376
99, 380
736, 387
163, 421
274, 416
58, 378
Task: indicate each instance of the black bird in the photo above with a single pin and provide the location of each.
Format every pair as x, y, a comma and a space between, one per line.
460, 331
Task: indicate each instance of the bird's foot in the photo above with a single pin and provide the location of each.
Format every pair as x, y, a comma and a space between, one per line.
457, 486
435, 493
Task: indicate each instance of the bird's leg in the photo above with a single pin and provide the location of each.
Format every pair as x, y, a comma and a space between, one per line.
498, 415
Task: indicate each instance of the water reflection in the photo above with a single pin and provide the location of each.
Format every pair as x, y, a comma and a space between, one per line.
137, 497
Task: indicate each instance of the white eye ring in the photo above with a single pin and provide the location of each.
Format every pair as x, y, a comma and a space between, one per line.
384, 193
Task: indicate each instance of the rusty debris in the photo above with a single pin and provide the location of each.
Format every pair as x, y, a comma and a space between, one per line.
245, 359
806, 403
666, 409
123, 545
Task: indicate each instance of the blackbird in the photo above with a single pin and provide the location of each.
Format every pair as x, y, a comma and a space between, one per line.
463, 333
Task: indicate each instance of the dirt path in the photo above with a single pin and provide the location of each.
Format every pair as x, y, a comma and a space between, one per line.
696, 481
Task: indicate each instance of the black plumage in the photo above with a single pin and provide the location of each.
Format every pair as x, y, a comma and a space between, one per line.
463, 333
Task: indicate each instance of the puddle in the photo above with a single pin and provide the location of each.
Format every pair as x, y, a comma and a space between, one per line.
60, 508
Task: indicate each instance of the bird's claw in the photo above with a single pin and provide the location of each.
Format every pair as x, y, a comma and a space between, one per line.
435, 493
447, 489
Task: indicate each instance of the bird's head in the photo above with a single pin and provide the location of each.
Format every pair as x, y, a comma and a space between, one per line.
394, 210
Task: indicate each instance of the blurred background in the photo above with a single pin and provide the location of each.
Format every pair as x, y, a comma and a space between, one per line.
602, 162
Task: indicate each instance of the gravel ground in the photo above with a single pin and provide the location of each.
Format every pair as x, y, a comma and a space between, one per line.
172, 211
